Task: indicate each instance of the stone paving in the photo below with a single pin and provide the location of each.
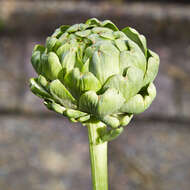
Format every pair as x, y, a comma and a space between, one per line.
48, 153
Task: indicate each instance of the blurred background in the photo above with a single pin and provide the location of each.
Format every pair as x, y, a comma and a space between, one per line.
40, 150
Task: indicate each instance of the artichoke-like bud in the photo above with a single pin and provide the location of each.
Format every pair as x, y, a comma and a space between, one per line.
94, 70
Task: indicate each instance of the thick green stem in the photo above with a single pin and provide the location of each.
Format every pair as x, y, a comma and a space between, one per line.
98, 157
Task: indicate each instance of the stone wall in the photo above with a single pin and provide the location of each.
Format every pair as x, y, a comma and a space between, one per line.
41, 150
113, 1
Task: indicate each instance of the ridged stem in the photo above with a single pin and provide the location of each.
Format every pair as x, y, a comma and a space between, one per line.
98, 157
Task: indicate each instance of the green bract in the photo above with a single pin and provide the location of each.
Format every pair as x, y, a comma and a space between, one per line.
93, 70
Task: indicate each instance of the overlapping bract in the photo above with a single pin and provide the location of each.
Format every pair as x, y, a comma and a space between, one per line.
94, 70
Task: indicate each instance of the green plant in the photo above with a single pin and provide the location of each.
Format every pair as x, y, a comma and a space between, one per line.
97, 75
